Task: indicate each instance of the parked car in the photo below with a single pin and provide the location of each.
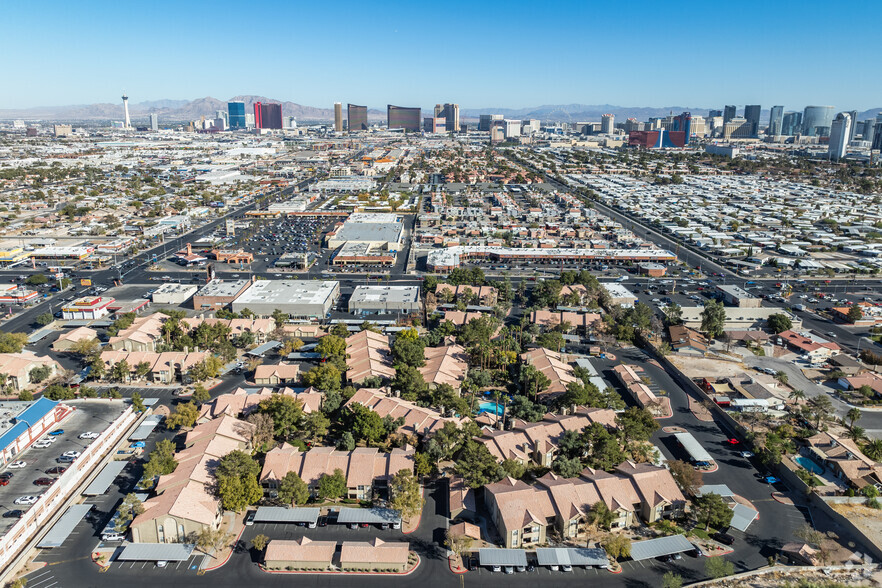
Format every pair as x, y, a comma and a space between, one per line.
249, 520
65, 459
13, 514
44, 481
57, 432
88, 435
26, 500
4, 481
747, 454
57, 470
17, 465
724, 538
41, 445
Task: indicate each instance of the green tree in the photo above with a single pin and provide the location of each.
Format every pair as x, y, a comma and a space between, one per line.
120, 371
673, 314
778, 323
237, 480
408, 351
286, 413
854, 314
209, 539
365, 424
533, 381
293, 490
514, 468
44, 319
685, 475
25, 396
409, 382
138, 402
162, 460
601, 516
325, 377
347, 442
264, 429
617, 546
567, 467
405, 494
718, 567
36, 280
260, 542
332, 486
339, 330
184, 416
130, 508
40, 373
316, 424
710, 509
636, 424
12, 342
476, 465
200, 394
672, 580
713, 318
854, 414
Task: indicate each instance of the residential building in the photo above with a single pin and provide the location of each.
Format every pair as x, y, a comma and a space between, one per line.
302, 554
163, 368
375, 555
242, 402
338, 117
185, 503
752, 116
686, 340
366, 468
445, 365
480, 295
843, 457
68, 339
418, 420
525, 514
550, 363
776, 121
817, 120
17, 368
276, 374
154, 121
369, 356
807, 343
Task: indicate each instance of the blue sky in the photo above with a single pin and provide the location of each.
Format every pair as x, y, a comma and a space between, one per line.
479, 54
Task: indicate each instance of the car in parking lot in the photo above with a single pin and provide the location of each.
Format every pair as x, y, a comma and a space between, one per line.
88, 435
4, 481
65, 459
57, 470
72, 454
13, 514
723, 537
44, 481
57, 432
42, 444
17, 465
747, 454
26, 500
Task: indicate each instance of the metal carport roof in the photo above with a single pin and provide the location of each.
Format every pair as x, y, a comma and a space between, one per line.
719, 489
39, 335
145, 428
156, 552
502, 557
573, 556
650, 548
61, 530
374, 516
693, 447
742, 516
103, 480
262, 349
280, 514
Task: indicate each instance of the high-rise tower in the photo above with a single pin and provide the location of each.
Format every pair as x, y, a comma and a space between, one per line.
125, 100
338, 117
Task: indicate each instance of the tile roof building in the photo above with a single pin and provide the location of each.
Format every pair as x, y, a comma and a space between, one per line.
243, 402
445, 365
17, 367
369, 356
418, 420
299, 554
523, 513
365, 468
537, 442
845, 459
375, 555
555, 369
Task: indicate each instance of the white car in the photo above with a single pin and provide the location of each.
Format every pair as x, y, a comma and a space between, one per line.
747, 454
17, 465
88, 435
49, 440
26, 500
71, 454
41, 445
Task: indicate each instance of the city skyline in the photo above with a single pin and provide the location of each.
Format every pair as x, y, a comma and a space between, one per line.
163, 49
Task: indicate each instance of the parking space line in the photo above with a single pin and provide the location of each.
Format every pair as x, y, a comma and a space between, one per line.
40, 576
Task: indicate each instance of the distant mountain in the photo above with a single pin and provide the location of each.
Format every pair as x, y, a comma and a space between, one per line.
184, 110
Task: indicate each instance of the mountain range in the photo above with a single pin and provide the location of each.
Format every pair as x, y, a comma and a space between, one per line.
183, 110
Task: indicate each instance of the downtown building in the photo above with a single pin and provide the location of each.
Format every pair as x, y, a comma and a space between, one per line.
357, 117
236, 115
267, 116
403, 117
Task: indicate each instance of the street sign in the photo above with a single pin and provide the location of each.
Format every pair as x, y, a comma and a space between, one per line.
85, 282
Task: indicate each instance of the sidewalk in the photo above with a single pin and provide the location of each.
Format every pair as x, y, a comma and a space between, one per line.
234, 524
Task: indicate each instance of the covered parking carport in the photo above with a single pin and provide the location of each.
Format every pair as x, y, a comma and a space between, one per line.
62, 529
281, 514
571, 556
102, 481
660, 547
369, 516
502, 557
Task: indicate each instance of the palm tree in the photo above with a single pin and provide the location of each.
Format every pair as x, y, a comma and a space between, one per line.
856, 433
873, 449
796, 396
854, 414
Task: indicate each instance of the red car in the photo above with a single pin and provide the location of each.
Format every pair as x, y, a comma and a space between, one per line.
733, 441
4, 481
44, 481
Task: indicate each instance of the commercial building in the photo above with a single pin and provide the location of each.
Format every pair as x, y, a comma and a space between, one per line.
236, 114
450, 113
62, 131
357, 117
776, 121
511, 128
839, 135
87, 308
154, 121
607, 124
488, 120
300, 299
683, 123
385, 300
737, 128
736, 296
338, 117
729, 112
792, 124
380, 230
435, 125
30, 421
817, 120
219, 293
618, 294
752, 116
267, 116
173, 293
14, 294
660, 139
403, 117
441, 260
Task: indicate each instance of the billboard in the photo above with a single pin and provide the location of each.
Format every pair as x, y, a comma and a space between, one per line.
86, 282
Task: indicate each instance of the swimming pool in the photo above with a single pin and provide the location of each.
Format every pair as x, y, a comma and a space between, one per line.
490, 407
808, 464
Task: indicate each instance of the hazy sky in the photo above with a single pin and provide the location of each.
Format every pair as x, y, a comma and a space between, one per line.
479, 54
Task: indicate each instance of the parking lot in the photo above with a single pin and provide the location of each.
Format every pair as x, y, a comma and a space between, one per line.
270, 239
92, 416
